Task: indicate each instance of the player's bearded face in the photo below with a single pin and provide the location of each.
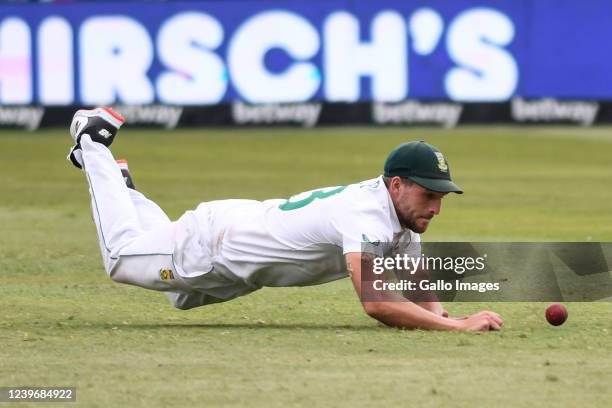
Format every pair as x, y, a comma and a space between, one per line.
416, 206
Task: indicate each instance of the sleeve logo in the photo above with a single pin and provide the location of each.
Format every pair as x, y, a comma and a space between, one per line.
166, 274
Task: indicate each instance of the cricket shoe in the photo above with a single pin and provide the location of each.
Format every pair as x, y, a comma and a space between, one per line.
125, 172
101, 124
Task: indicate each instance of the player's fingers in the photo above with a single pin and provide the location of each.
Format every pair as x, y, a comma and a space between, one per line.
497, 319
488, 313
493, 325
493, 315
497, 315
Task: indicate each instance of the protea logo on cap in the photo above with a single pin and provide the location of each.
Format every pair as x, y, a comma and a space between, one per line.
441, 162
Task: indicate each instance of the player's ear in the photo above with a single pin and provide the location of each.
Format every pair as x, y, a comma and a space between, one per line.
397, 182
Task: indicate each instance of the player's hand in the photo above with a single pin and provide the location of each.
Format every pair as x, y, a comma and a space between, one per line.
481, 321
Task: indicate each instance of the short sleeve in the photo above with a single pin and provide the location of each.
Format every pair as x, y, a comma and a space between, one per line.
364, 231
408, 243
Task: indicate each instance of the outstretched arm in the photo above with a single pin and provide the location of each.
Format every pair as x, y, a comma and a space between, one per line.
406, 314
427, 299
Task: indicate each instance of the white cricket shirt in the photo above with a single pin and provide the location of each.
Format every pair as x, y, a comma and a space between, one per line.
236, 246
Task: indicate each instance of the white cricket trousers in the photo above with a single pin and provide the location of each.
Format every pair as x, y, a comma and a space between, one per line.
136, 236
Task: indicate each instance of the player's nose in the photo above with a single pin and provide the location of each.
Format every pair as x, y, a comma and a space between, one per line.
435, 207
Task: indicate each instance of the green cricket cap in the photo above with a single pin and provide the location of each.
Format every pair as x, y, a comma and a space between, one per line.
423, 164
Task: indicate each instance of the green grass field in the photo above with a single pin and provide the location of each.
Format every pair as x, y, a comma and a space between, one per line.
64, 323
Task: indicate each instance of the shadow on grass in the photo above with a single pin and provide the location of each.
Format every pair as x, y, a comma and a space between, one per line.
250, 326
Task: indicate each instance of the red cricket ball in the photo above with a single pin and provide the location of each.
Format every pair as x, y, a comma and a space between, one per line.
556, 314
